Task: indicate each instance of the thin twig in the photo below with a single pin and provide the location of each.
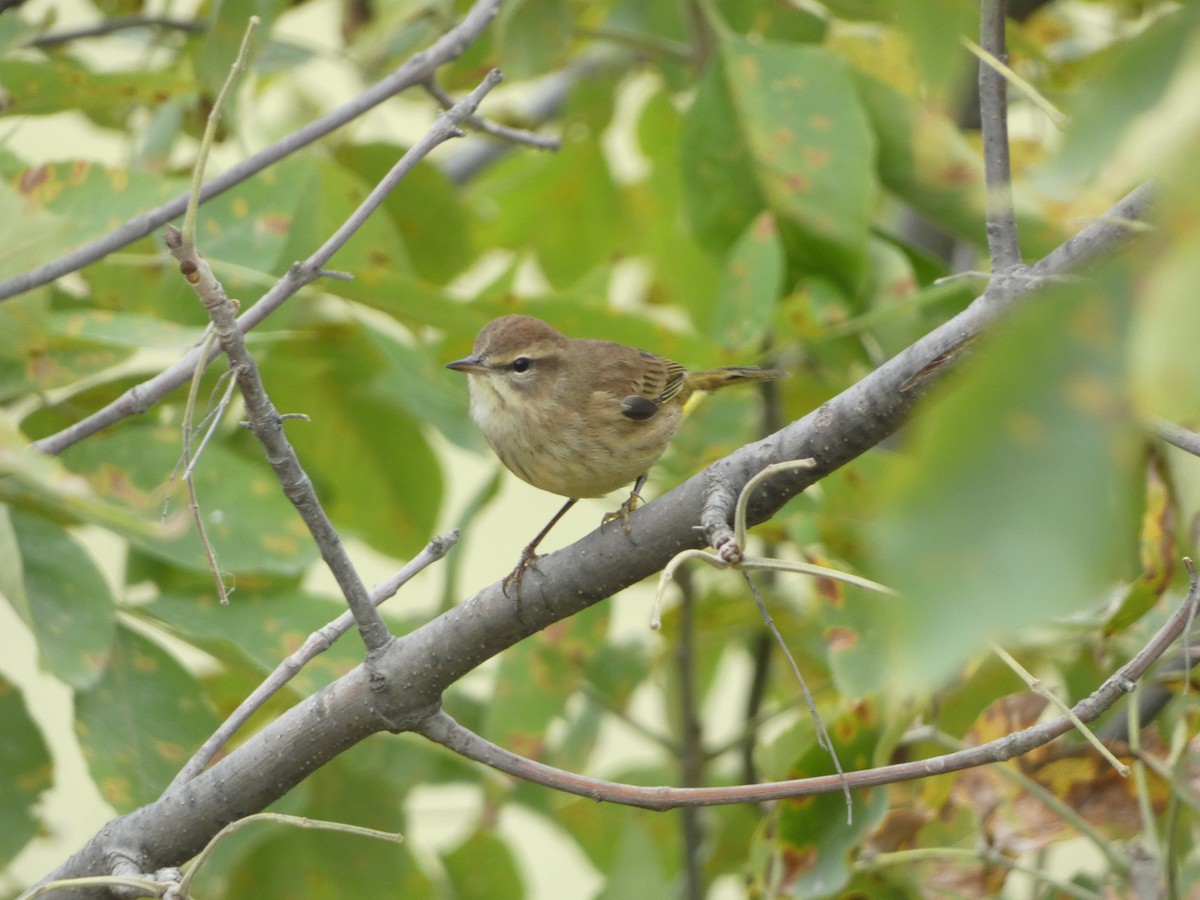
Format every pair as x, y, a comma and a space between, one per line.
824, 741
140, 398
111, 26
212, 421
691, 740
189, 234
210, 132
279, 819
442, 729
267, 425
495, 129
1149, 835
446, 127
316, 644
418, 69
1053, 113
187, 460
1177, 436
1036, 685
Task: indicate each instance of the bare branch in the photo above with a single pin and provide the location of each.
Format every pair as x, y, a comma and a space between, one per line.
267, 425
316, 644
993, 107
1177, 436
415, 71
443, 729
142, 397
496, 130
112, 26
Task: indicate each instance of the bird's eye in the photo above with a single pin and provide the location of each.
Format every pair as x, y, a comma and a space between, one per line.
521, 364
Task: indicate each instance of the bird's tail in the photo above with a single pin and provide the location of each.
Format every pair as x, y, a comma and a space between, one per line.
715, 379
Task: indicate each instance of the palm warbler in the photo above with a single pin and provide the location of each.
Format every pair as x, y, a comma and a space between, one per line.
578, 417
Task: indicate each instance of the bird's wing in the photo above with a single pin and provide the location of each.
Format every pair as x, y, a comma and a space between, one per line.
654, 381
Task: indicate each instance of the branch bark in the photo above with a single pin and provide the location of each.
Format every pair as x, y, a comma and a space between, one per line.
993, 109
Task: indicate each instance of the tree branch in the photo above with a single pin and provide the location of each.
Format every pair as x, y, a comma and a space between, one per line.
1177, 436
316, 643
119, 23
267, 425
494, 129
419, 666
416, 70
142, 397
993, 107
443, 729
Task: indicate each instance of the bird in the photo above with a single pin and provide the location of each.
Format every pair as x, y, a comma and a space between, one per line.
579, 417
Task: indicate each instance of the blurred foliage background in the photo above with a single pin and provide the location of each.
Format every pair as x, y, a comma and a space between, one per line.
739, 180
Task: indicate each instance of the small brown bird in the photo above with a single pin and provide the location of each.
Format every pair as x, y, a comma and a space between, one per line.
579, 417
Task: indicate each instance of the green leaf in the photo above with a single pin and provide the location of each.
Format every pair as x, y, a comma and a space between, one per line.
684, 274
750, 287
12, 569
482, 867
116, 329
535, 680
255, 227
775, 21
372, 466
565, 206
33, 481
534, 36
1159, 552
637, 869
935, 30
35, 356
416, 381
926, 160
811, 838
40, 88
1013, 508
375, 252
338, 865
1131, 82
1165, 384
250, 524
261, 627
26, 772
51, 209
780, 127
70, 609
441, 243
140, 722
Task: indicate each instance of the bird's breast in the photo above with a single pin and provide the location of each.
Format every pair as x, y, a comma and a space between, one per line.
575, 448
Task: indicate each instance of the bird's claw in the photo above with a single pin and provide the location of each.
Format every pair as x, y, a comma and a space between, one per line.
630, 504
514, 578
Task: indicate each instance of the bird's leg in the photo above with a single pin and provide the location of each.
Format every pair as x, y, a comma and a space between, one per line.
529, 556
630, 504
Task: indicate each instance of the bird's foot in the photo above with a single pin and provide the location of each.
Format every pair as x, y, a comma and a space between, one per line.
511, 586
631, 503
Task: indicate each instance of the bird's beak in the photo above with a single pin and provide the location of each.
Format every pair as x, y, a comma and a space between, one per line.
472, 365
